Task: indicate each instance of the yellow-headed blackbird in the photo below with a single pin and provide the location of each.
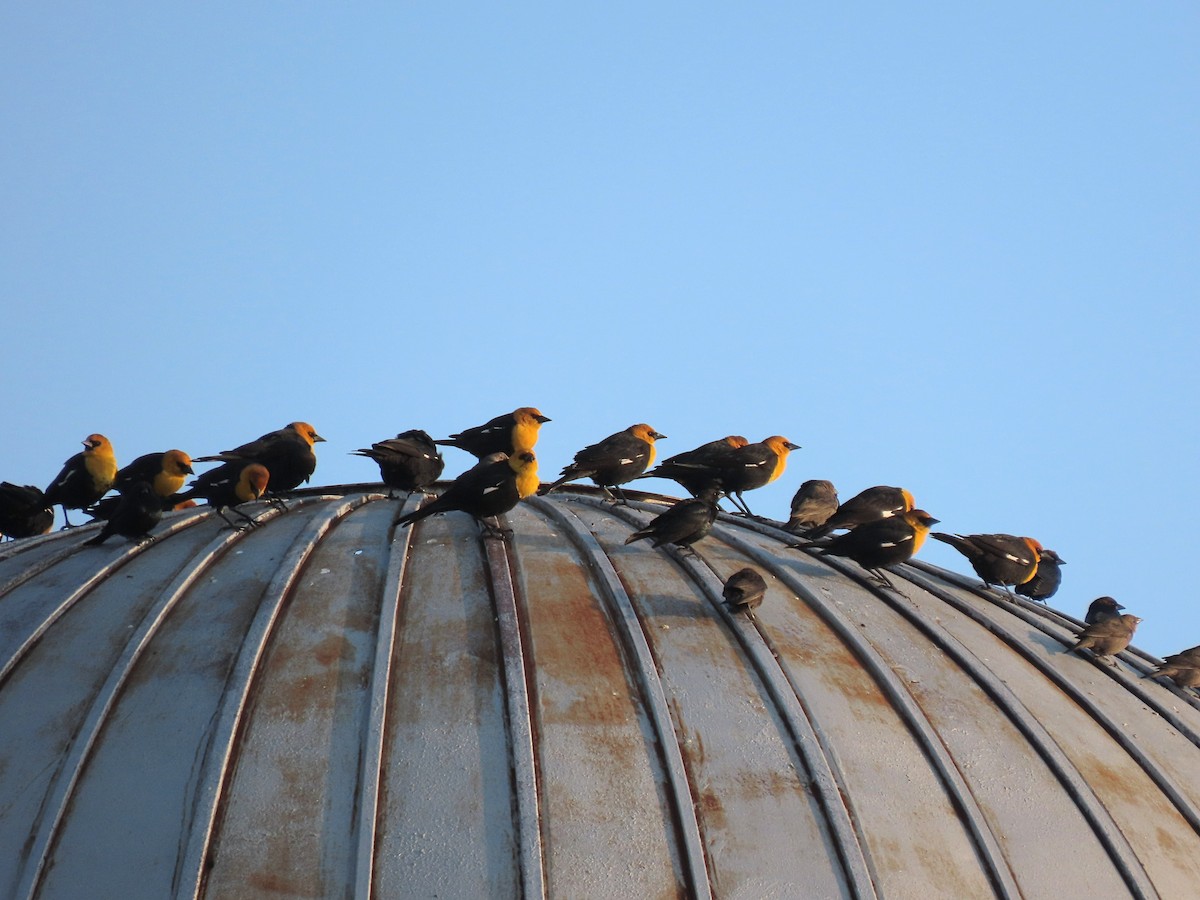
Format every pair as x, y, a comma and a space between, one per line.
1102, 608
1183, 668
617, 459
1001, 559
879, 502
683, 523
408, 462
884, 542
754, 466
138, 510
227, 486
287, 454
1108, 636
699, 470
1046, 580
511, 434
812, 505
744, 591
85, 477
492, 486
24, 511
165, 472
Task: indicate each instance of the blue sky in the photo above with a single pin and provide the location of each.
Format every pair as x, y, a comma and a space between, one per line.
952, 248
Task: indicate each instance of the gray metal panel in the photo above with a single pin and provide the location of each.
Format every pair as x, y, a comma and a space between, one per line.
326, 707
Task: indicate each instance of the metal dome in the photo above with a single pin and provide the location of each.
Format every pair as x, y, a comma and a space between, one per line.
321, 707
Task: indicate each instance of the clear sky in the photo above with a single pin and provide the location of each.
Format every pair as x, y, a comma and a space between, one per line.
951, 247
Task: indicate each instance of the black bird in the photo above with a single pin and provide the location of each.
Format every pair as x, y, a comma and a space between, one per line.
85, 477
1102, 608
1108, 636
137, 512
1046, 580
754, 466
408, 462
879, 502
698, 470
228, 486
512, 434
682, 524
165, 472
884, 542
492, 486
24, 511
287, 454
744, 591
617, 459
812, 505
1002, 559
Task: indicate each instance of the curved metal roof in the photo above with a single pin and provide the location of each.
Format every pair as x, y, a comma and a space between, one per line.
322, 707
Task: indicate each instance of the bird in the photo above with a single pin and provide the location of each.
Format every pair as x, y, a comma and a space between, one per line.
882, 543
512, 434
617, 459
165, 472
744, 591
494, 485
226, 487
1108, 636
1102, 608
683, 523
287, 454
85, 477
812, 505
408, 462
1046, 580
879, 502
24, 511
1002, 559
138, 510
754, 466
1183, 668
697, 470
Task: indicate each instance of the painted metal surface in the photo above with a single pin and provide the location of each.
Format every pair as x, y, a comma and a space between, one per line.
326, 707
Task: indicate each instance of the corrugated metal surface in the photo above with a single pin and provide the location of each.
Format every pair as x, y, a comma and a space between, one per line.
322, 708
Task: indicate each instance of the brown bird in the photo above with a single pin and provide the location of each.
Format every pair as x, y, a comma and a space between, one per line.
1102, 608
682, 524
24, 511
512, 434
617, 459
1002, 559
1107, 637
137, 511
227, 487
744, 591
287, 454
812, 505
492, 486
1046, 580
85, 477
1183, 668
754, 466
882, 543
699, 470
408, 462
879, 502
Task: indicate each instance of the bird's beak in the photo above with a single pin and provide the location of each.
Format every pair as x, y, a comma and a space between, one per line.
542, 419
792, 446
318, 439
658, 437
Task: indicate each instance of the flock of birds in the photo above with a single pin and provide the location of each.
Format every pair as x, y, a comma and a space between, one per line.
881, 526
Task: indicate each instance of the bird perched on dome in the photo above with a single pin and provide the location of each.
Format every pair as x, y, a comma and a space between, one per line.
617, 459
286, 453
870, 505
744, 591
698, 470
882, 543
682, 524
1102, 608
227, 487
137, 511
408, 462
754, 466
1183, 668
1046, 580
24, 511
165, 472
512, 434
1107, 637
812, 505
1002, 559
491, 487
85, 477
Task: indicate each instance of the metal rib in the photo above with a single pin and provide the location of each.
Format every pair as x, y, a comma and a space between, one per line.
629, 629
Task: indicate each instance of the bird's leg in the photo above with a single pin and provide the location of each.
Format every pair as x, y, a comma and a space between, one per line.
67, 520
882, 578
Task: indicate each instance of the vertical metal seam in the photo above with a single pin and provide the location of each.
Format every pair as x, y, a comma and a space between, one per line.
530, 853
214, 756
637, 648
371, 754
